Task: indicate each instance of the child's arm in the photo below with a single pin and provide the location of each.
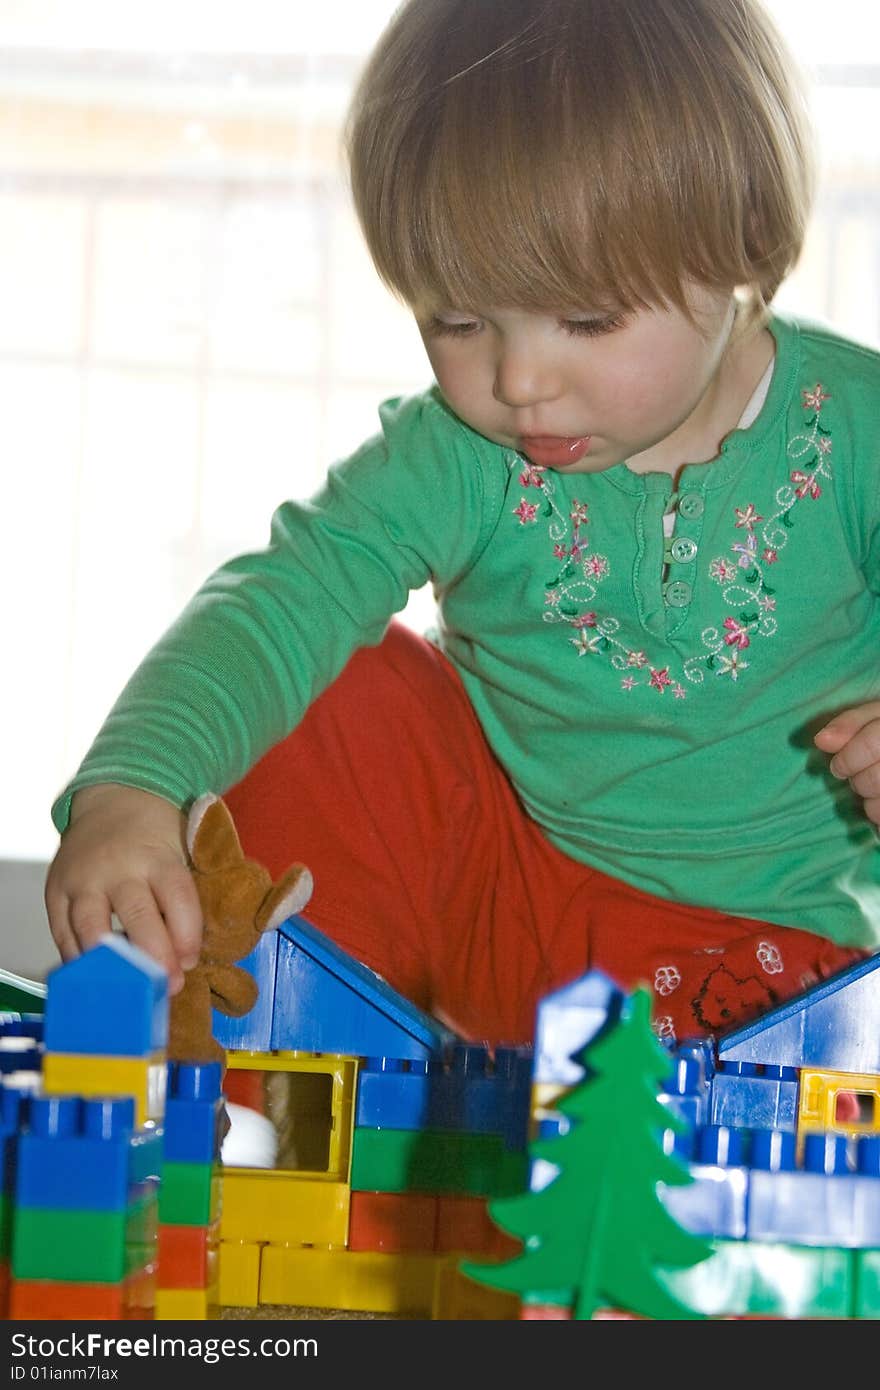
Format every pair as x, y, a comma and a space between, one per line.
853, 737
124, 852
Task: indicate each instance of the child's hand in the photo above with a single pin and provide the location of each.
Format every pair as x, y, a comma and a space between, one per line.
854, 739
124, 853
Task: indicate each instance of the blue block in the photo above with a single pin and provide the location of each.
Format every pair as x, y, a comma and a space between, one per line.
112, 1001
814, 1209
84, 1155
766, 1101
253, 1031
831, 1027
194, 1109
714, 1204
326, 1001
569, 1019
393, 1094
483, 1094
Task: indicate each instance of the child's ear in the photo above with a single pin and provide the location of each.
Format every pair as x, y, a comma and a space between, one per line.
285, 898
211, 837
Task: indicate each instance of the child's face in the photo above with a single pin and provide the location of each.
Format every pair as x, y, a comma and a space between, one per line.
580, 392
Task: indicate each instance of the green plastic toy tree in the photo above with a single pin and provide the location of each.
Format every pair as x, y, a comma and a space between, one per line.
598, 1234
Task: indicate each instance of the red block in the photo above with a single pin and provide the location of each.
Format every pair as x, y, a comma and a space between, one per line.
188, 1256
393, 1222
59, 1300
544, 1312
465, 1226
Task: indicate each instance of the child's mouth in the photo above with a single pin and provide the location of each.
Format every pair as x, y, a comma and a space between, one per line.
554, 450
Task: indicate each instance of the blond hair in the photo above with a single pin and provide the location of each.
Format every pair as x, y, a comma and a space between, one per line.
574, 153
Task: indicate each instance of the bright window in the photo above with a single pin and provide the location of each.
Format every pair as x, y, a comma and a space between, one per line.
190, 329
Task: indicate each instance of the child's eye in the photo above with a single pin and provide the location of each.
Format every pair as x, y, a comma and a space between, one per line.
592, 328
455, 328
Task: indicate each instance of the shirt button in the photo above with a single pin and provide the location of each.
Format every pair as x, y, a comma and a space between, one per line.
691, 505
678, 594
683, 549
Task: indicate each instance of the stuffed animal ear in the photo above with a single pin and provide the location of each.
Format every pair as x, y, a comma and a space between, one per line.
285, 898
211, 836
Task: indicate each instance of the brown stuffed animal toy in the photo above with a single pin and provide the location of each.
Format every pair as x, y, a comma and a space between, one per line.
239, 902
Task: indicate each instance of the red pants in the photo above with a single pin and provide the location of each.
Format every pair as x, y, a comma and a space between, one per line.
428, 870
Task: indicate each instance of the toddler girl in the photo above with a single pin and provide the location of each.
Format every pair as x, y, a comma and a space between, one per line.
649, 508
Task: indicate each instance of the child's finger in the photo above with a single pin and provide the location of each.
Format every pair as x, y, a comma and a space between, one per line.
844, 726
178, 901
89, 916
141, 920
859, 753
867, 782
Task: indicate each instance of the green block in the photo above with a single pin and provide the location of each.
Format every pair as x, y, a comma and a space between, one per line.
398, 1160
100, 1247
866, 1302
783, 1281
189, 1194
6, 1210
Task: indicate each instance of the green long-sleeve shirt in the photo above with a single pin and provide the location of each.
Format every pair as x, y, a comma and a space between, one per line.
652, 700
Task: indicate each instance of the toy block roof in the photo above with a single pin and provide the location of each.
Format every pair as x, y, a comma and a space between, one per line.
835, 1026
112, 1001
568, 1019
315, 997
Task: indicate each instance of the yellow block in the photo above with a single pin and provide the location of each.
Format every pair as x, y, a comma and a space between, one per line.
286, 1208
75, 1074
339, 1121
459, 1299
355, 1280
193, 1305
239, 1274
818, 1101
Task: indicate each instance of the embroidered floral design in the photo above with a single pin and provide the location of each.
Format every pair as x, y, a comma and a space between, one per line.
666, 979
768, 955
664, 1028
758, 542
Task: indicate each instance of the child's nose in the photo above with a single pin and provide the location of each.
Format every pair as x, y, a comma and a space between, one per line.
524, 377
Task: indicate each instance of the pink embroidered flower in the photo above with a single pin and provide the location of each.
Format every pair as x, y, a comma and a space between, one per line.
722, 570
559, 551
823, 444
770, 556
575, 551
767, 603
627, 683
578, 512
679, 692
636, 659
731, 666
586, 620
597, 565
806, 484
526, 511
747, 516
660, 679
531, 476
813, 399
737, 635
552, 596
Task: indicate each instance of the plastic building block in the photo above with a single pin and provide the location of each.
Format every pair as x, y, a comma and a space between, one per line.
193, 1112
389, 1160
84, 1246
240, 1274
568, 1020
324, 1126
78, 1075
253, 1030
715, 1203
746, 1097
19, 1054
598, 1234
819, 1097
457, 1299
465, 1226
325, 1001
394, 1093
188, 1256
773, 1280
288, 1207
189, 1194
85, 1154
393, 1222
190, 1305
354, 1280
110, 1001
831, 1027
46, 1300
823, 1204
866, 1295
